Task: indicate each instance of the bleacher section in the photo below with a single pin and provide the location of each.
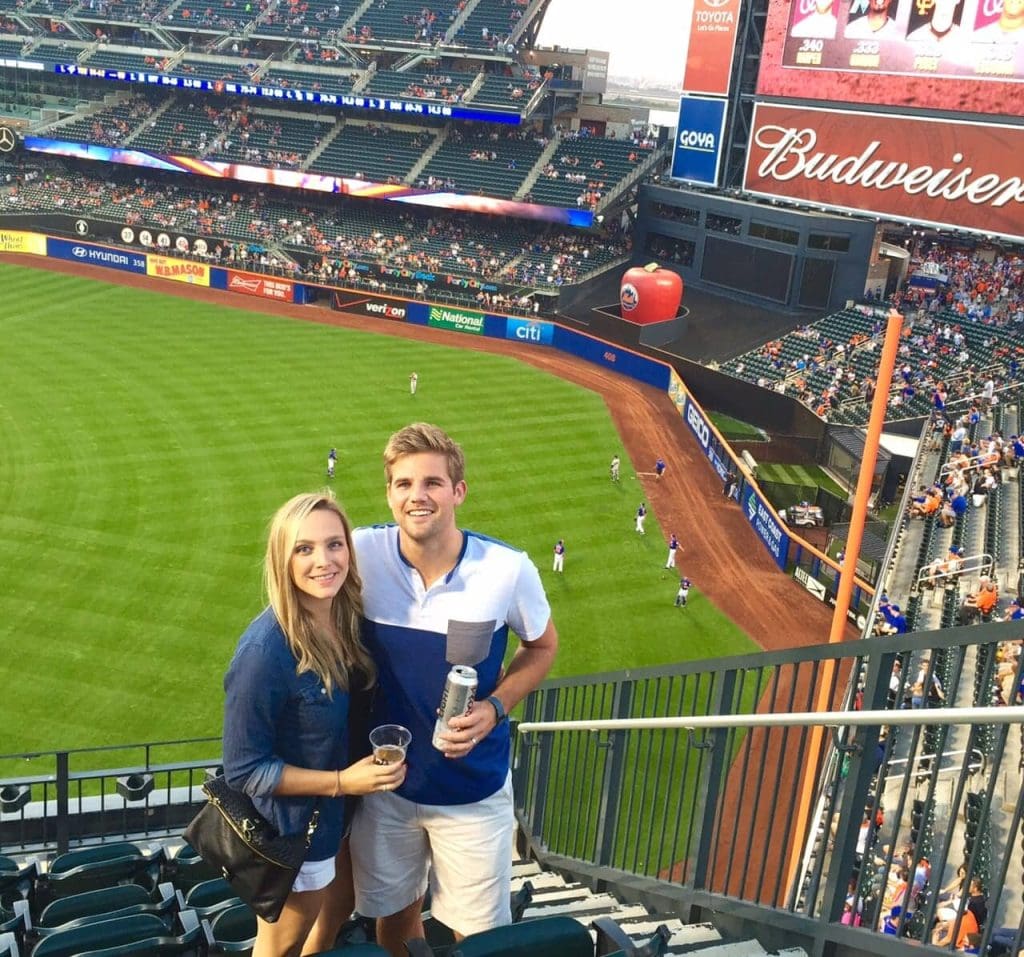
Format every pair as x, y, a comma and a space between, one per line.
311, 19
582, 165
402, 20
499, 17
477, 161
372, 151
443, 86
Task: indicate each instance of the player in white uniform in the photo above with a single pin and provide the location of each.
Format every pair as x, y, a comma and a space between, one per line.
559, 556
615, 468
641, 517
414, 381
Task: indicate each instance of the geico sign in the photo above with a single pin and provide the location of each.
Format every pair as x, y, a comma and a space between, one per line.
386, 310
697, 423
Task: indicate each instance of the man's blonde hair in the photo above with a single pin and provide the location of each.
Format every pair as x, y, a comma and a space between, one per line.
424, 437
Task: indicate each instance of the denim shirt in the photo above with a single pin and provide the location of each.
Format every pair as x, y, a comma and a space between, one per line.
274, 717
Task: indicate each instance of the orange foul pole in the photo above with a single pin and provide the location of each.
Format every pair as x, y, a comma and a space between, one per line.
822, 700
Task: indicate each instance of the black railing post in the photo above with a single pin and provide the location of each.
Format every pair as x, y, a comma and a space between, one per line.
611, 788
711, 786
63, 791
541, 772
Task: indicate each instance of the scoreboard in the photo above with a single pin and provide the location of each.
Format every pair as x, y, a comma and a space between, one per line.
907, 109
950, 38
962, 56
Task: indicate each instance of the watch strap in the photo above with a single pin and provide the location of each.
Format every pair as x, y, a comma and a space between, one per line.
499, 708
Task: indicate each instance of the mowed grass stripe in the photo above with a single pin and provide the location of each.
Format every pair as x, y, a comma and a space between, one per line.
146, 440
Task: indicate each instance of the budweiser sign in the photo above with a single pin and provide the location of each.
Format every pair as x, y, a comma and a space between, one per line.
963, 175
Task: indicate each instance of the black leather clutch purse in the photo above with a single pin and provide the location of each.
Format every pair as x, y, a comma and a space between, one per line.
260, 864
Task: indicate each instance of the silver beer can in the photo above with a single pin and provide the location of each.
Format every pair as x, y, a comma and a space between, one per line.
459, 692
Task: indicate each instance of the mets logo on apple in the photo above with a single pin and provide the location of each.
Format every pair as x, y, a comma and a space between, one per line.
629, 298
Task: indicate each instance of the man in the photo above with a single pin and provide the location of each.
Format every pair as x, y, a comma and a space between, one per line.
559, 562
876, 24
414, 381
641, 517
659, 468
819, 23
673, 547
332, 461
683, 593
437, 596
729, 484
940, 30
615, 468
1009, 28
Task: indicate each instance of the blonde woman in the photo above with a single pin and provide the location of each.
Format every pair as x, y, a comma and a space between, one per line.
286, 713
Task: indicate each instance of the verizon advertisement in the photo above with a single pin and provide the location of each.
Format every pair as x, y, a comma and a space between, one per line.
279, 289
713, 30
948, 173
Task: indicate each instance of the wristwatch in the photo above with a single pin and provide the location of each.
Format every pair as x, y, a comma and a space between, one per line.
499, 709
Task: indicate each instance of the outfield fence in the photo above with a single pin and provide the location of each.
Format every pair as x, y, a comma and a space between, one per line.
154, 256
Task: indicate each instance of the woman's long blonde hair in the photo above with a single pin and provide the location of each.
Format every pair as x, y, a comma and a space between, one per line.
331, 660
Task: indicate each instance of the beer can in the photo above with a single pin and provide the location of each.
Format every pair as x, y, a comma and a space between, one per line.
459, 691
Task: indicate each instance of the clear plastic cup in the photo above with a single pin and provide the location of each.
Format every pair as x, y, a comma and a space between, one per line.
389, 743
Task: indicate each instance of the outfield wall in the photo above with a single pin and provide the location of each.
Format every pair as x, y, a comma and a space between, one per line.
786, 548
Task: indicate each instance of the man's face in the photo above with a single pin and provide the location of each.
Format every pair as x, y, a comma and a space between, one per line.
879, 6
1013, 9
422, 496
942, 14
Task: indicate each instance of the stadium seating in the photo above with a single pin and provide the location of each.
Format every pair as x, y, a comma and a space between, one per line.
95, 867
321, 80
401, 20
232, 930
104, 903
479, 161
442, 86
377, 152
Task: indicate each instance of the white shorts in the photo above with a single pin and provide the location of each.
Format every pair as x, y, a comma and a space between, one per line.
464, 851
314, 875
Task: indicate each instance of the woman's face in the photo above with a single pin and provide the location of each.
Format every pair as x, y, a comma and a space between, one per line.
320, 559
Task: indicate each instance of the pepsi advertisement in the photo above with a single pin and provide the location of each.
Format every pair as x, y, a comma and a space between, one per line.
697, 155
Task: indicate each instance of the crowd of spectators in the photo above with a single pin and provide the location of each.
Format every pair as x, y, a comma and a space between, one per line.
320, 230
962, 338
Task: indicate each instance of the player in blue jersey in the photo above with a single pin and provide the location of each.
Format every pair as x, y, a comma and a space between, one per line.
684, 592
332, 460
673, 547
641, 517
436, 596
659, 468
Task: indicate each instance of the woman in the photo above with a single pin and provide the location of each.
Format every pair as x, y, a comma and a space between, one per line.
286, 714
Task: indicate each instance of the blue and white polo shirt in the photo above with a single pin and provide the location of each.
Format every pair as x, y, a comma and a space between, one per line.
415, 635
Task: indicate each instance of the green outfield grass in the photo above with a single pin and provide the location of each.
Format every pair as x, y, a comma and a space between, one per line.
808, 478
731, 428
146, 439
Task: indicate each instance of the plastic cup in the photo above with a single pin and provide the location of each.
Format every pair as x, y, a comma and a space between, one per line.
389, 743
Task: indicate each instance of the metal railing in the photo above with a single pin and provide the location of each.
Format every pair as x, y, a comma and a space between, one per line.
719, 789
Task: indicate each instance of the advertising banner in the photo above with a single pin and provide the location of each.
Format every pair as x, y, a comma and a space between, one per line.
529, 330
941, 171
699, 427
457, 320
122, 259
699, 134
612, 357
280, 290
763, 521
179, 270
677, 391
713, 29
16, 241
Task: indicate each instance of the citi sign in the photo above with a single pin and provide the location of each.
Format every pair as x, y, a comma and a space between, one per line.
525, 330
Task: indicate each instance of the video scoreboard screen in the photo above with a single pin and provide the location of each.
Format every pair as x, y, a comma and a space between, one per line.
956, 55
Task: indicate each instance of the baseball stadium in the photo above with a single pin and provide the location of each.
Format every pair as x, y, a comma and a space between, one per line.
781, 291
